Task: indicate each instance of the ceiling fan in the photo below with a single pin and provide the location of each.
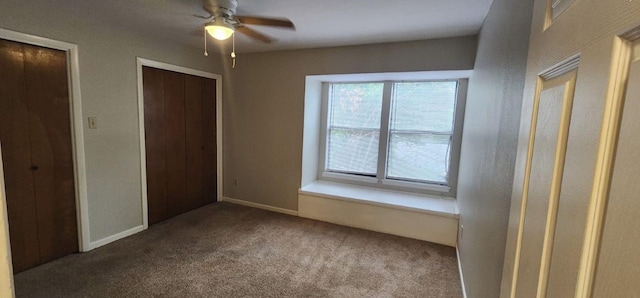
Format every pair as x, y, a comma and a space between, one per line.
223, 21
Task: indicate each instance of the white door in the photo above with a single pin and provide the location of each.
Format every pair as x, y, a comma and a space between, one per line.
575, 194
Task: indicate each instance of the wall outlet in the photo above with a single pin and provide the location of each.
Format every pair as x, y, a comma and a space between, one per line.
93, 123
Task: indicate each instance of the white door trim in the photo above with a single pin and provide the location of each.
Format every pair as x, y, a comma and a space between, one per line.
77, 136
143, 155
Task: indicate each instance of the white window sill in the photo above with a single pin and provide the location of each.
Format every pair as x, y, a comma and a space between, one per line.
442, 206
409, 186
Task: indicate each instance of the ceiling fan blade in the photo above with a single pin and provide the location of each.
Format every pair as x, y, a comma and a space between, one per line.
277, 22
253, 34
202, 17
208, 9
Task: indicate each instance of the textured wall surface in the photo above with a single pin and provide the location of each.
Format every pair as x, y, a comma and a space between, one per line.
489, 144
264, 107
107, 54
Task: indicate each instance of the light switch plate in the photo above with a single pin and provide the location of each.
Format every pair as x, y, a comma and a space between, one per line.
93, 123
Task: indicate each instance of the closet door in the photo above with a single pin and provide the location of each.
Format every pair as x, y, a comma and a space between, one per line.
16, 157
36, 134
194, 125
175, 143
51, 151
180, 142
210, 150
155, 140
200, 94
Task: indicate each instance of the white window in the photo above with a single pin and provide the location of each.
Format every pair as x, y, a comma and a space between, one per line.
402, 134
353, 135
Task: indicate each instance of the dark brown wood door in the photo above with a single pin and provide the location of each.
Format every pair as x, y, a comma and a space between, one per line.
180, 138
175, 142
194, 189
35, 132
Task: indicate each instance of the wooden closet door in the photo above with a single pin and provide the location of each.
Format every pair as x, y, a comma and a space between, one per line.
47, 98
176, 149
155, 140
194, 90
210, 149
16, 156
200, 95
35, 131
180, 133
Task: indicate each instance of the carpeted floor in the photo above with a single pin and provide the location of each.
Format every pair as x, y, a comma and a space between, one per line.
226, 250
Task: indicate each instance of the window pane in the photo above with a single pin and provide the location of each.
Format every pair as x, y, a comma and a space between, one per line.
353, 150
421, 125
418, 156
354, 127
423, 106
356, 105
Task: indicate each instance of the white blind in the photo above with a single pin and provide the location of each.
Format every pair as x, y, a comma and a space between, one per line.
421, 129
354, 127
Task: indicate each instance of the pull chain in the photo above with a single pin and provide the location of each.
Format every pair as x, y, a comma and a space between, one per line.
205, 42
233, 51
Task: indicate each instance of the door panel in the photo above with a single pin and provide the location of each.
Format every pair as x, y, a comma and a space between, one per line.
543, 180
194, 132
36, 135
51, 153
16, 151
582, 147
210, 150
546, 139
153, 84
176, 151
618, 264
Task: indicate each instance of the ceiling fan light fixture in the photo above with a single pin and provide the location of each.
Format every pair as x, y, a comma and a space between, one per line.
219, 29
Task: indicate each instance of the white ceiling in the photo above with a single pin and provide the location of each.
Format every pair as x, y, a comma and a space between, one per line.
319, 23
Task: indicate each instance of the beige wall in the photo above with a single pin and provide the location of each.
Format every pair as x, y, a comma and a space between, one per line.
489, 144
108, 84
264, 107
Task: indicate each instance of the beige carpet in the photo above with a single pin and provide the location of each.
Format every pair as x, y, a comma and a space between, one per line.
225, 250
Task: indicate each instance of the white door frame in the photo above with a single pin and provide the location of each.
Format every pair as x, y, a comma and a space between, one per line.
77, 136
143, 153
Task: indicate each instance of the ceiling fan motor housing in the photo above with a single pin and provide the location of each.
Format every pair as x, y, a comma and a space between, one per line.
221, 8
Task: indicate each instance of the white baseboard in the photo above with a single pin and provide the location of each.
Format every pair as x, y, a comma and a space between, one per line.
464, 290
260, 206
112, 238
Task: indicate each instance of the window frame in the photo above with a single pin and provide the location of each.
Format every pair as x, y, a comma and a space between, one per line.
380, 180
